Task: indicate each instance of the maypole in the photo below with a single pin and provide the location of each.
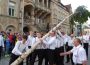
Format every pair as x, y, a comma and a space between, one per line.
23, 56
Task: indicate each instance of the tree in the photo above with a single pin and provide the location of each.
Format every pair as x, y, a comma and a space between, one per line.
81, 15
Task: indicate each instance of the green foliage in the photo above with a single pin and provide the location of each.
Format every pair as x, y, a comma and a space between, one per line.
81, 14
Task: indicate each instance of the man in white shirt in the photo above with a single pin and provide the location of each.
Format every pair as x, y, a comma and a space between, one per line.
30, 43
70, 46
79, 54
65, 38
19, 49
41, 50
51, 42
1, 44
85, 41
59, 60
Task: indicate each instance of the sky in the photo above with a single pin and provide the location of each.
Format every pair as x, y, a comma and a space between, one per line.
76, 3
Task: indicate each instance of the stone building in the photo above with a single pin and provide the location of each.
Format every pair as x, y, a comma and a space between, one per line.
39, 15
9, 15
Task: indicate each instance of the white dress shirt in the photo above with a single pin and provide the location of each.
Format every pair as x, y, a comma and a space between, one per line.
1, 41
19, 48
70, 42
30, 41
66, 38
85, 38
79, 54
51, 42
60, 41
41, 45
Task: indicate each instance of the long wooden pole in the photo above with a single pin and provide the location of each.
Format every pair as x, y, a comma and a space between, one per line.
23, 56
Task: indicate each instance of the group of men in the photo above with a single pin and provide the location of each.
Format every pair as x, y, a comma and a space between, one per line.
53, 48
50, 48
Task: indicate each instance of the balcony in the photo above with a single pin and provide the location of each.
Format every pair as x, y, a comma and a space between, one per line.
26, 21
28, 1
43, 6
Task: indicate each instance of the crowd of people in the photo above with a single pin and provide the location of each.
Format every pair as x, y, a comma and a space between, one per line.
51, 49
7, 42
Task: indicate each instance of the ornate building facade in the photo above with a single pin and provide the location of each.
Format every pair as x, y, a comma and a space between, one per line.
39, 15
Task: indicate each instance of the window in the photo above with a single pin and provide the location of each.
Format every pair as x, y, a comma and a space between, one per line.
11, 9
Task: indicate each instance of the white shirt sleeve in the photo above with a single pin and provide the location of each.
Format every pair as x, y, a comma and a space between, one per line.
2, 42
60, 33
50, 41
34, 40
16, 48
83, 55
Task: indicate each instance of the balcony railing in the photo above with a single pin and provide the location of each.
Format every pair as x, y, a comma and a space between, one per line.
27, 21
27, 1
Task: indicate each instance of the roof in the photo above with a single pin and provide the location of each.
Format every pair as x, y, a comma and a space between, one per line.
68, 7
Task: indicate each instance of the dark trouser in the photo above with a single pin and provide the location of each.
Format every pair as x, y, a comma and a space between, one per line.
13, 58
42, 54
78, 64
86, 48
51, 56
59, 59
67, 49
0, 51
71, 55
11, 47
33, 56
29, 58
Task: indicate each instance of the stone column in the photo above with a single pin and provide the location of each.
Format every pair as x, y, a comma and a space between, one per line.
38, 1
43, 3
32, 16
47, 3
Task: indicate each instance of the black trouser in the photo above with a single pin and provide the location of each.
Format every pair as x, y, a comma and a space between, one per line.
50, 54
77, 64
59, 60
86, 48
13, 58
0, 51
71, 55
67, 49
33, 56
29, 58
42, 54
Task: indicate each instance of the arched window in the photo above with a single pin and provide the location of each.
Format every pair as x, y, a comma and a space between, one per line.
10, 28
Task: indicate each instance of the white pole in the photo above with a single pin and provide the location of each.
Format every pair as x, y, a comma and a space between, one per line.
22, 15
23, 56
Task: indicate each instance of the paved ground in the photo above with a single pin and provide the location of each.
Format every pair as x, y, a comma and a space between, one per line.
5, 60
